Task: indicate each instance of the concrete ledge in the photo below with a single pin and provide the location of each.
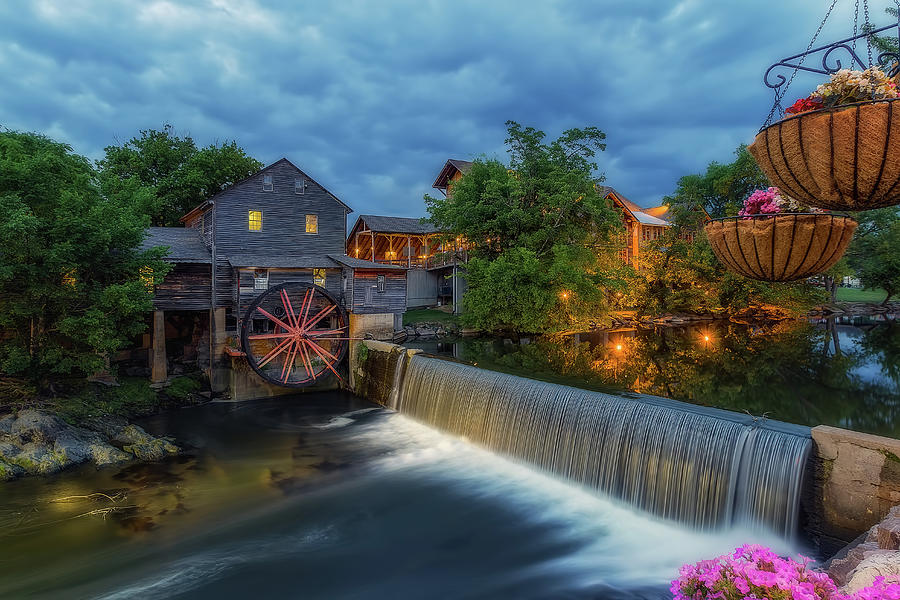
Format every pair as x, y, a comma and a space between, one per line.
245, 384
855, 481
375, 367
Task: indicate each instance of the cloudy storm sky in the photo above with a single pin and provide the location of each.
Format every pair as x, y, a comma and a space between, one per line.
371, 97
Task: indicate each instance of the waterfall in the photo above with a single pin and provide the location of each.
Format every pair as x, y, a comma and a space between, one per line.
700, 466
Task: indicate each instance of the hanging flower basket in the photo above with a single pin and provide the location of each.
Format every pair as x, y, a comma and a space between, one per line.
842, 158
781, 246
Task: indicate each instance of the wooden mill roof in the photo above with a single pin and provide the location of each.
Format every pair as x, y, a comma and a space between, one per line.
185, 245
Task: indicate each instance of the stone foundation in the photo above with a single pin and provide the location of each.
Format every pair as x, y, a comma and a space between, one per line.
853, 481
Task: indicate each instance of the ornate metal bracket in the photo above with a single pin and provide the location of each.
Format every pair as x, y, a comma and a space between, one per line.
830, 64
776, 80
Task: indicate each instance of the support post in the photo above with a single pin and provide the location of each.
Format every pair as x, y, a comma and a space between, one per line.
408, 253
218, 374
158, 371
373, 247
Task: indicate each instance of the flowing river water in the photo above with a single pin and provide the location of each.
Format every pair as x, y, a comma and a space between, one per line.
327, 496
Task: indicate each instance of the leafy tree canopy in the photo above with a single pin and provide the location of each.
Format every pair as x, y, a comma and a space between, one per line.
723, 188
680, 273
875, 250
538, 232
179, 174
73, 284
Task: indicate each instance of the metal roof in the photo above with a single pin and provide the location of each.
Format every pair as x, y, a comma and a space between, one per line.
358, 263
185, 245
380, 224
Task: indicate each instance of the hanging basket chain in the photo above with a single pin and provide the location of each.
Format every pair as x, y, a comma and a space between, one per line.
780, 92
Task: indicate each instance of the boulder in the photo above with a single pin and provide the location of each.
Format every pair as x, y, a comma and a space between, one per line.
6, 422
38, 458
155, 449
888, 531
132, 434
37, 425
8, 448
884, 564
9, 471
103, 454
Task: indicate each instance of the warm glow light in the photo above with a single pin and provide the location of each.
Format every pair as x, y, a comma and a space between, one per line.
705, 338
564, 295
618, 347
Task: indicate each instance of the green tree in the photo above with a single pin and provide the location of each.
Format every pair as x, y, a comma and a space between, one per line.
875, 250
73, 284
180, 174
538, 233
680, 273
721, 190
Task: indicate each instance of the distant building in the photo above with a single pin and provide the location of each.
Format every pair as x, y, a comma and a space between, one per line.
642, 225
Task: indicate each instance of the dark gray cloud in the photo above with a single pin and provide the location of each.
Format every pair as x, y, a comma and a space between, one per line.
372, 97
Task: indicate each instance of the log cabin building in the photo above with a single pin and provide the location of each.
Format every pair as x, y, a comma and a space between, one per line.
275, 226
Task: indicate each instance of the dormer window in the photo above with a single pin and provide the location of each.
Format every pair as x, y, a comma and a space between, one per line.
254, 220
268, 186
312, 223
300, 186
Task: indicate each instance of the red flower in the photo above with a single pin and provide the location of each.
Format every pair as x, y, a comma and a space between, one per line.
804, 105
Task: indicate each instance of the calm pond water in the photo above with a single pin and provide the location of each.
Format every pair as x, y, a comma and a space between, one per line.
326, 496
840, 372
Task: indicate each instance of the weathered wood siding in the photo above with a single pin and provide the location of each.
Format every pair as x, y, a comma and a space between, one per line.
283, 217
421, 288
366, 298
186, 287
248, 294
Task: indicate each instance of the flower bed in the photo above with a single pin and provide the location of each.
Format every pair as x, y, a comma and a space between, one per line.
756, 572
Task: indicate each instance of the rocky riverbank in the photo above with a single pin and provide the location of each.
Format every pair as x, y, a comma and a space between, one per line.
34, 442
876, 555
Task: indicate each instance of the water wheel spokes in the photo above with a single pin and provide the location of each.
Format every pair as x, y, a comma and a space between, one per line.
295, 334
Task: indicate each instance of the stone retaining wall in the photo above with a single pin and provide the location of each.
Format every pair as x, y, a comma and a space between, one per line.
854, 481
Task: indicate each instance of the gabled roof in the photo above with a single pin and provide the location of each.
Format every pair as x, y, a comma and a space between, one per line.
451, 167
185, 245
380, 224
646, 216
206, 203
358, 263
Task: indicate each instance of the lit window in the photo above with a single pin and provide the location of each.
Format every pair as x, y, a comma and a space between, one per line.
380, 284
147, 278
254, 220
312, 223
319, 277
299, 186
261, 279
68, 278
268, 186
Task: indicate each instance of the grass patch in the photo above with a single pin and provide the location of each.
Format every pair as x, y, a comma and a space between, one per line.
860, 295
429, 315
134, 397
181, 388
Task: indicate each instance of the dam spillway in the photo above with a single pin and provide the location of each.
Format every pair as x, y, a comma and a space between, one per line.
706, 468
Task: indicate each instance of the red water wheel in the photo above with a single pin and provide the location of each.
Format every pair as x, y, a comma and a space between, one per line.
295, 334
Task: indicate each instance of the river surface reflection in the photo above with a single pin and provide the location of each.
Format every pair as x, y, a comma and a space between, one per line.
840, 372
326, 496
